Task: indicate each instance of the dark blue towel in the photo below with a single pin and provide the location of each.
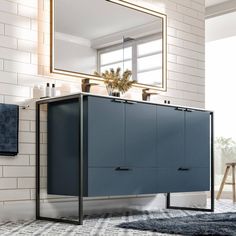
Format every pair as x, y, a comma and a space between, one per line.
9, 122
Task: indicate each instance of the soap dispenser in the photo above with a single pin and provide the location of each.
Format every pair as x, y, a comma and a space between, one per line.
53, 91
47, 90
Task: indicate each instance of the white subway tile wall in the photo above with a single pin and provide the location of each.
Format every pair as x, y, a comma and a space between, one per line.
24, 62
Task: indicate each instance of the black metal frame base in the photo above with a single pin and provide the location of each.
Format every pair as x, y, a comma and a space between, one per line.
168, 206
57, 220
211, 209
80, 132
80, 197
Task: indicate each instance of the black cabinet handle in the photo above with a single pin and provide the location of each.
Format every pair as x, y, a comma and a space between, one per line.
188, 110
131, 102
183, 109
122, 169
183, 169
118, 100
179, 109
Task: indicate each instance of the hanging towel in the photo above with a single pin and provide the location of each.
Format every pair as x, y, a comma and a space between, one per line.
9, 122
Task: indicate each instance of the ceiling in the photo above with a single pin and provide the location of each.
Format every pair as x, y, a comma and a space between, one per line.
216, 8
223, 26
209, 3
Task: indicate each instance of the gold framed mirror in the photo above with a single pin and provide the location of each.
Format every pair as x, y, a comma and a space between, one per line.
97, 35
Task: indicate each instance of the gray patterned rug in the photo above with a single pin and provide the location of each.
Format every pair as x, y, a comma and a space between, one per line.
204, 224
101, 224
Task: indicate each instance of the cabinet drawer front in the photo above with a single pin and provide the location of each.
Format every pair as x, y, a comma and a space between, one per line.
110, 182
174, 180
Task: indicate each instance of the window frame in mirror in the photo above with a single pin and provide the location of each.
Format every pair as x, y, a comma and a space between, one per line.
124, 3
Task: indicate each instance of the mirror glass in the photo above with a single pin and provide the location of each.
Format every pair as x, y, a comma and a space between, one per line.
97, 35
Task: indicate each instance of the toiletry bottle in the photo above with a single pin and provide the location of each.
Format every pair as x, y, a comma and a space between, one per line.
36, 92
47, 91
53, 91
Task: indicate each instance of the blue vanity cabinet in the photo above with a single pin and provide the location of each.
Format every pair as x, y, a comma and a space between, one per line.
140, 135
183, 149
129, 148
105, 125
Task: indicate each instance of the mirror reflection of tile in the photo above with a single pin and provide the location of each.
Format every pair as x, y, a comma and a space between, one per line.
9, 119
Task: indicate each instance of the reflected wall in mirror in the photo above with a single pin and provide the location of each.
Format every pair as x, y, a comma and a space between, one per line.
97, 35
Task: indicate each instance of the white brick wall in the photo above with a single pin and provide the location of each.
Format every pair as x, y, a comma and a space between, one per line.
14, 194
24, 61
8, 183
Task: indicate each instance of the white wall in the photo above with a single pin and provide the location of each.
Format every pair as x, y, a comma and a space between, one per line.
220, 79
24, 61
76, 56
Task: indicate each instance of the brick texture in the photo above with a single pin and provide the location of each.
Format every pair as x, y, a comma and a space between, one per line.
24, 62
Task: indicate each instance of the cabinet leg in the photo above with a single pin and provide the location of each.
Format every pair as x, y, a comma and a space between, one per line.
80, 199
223, 182
211, 209
233, 183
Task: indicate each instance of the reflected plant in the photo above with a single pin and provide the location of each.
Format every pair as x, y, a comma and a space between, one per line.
114, 80
226, 145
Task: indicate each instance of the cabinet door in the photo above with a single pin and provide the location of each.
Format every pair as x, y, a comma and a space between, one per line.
170, 137
106, 125
197, 139
140, 135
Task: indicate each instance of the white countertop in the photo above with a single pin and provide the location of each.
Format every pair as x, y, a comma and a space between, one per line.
76, 95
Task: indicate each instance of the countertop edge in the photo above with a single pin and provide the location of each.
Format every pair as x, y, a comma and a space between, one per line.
77, 95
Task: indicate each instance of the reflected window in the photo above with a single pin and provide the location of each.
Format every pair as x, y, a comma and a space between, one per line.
142, 56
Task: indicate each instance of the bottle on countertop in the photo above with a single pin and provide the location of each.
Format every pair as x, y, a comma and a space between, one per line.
38, 91
47, 90
53, 91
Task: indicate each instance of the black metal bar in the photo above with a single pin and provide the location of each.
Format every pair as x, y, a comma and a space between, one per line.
81, 155
212, 164
37, 161
212, 181
190, 209
57, 99
59, 220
